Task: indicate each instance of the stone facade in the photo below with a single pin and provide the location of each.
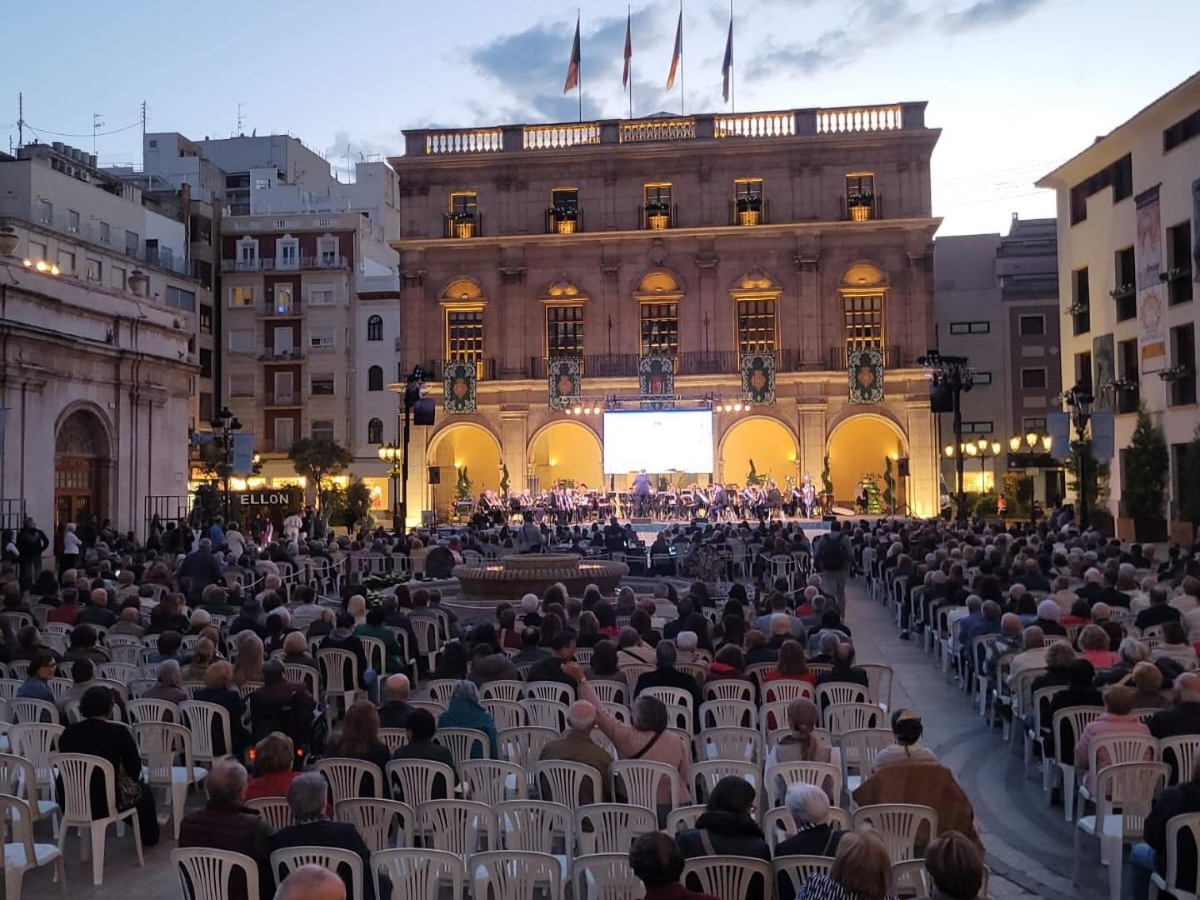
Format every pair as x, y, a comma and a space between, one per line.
843, 222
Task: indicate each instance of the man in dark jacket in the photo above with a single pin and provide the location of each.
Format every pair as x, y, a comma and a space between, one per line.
31, 543
307, 798
1151, 856
201, 569
225, 823
395, 711
1184, 716
1159, 612
844, 670
551, 669
666, 675
281, 705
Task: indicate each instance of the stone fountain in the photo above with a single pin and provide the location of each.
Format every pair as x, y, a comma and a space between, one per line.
483, 586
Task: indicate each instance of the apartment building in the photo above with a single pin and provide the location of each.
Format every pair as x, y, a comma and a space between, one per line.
1128, 216
792, 240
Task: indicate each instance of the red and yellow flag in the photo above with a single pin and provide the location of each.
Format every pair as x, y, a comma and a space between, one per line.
677, 56
572, 81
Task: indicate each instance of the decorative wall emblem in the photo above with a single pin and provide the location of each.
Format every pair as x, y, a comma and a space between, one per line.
460, 386
866, 376
565, 377
758, 378
656, 375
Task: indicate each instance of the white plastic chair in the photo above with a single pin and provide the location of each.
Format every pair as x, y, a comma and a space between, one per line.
457, 826
523, 745
421, 874
900, 825
534, 825
840, 718
705, 776
510, 691
505, 713
1078, 718
823, 775
1169, 881
611, 692
605, 876
274, 810
206, 874
145, 711
729, 877
18, 778
26, 711
383, 824
641, 779
334, 664
305, 675
1124, 796
612, 827
546, 713
160, 743
728, 713
118, 671
683, 817
742, 744
859, 748
413, 781
550, 690
37, 743
797, 870
461, 742
441, 689
786, 691
76, 771
559, 781
21, 853
879, 684
729, 689
346, 777
515, 875
200, 716
494, 781
284, 862
1181, 750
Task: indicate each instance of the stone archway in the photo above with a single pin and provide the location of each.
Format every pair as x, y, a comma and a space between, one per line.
457, 447
82, 458
858, 446
763, 439
566, 451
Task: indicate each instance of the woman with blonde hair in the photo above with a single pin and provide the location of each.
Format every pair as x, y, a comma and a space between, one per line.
248, 668
357, 607
203, 655
274, 757
218, 688
801, 743
1147, 681
862, 870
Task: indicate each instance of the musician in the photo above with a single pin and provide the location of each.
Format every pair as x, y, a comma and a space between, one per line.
808, 496
718, 502
641, 493
774, 498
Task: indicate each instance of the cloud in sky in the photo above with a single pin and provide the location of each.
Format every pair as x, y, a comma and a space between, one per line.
988, 13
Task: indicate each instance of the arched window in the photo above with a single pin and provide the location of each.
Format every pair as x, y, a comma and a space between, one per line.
375, 378
375, 328
375, 431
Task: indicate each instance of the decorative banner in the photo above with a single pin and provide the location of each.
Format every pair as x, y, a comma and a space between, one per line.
565, 377
1104, 436
1105, 372
243, 455
1152, 332
656, 375
1058, 426
866, 376
758, 378
460, 384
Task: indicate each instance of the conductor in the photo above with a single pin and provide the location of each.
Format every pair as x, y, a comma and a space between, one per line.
641, 493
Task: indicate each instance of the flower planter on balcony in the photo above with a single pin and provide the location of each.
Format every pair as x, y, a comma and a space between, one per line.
860, 213
464, 230
749, 216
564, 226
658, 221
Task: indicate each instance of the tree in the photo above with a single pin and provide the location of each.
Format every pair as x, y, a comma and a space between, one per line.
318, 459
1189, 480
358, 501
889, 486
463, 489
1147, 464
753, 477
826, 477
504, 480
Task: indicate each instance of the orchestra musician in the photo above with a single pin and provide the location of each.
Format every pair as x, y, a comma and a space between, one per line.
718, 502
641, 494
808, 497
774, 499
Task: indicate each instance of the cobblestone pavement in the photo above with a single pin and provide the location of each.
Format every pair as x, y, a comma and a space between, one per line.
1029, 844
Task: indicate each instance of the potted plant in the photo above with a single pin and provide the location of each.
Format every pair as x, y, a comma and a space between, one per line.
749, 210
860, 206
1144, 481
658, 214
564, 218
463, 223
826, 496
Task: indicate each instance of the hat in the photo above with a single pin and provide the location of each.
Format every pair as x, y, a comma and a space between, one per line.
904, 715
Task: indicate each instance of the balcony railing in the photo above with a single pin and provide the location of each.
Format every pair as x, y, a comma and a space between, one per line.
283, 398
463, 227
768, 125
861, 209
564, 222
741, 213
1179, 285
272, 264
271, 310
893, 358
657, 218
485, 369
271, 355
712, 362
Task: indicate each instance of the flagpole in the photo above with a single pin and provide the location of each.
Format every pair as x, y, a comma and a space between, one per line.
682, 104
579, 79
629, 31
732, 65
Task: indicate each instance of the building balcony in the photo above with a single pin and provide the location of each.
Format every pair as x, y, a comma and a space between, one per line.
893, 358
749, 213
567, 137
282, 399
462, 226
1179, 285
564, 221
485, 369
303, 263
281, 357
658, 216
292, 310
863, 208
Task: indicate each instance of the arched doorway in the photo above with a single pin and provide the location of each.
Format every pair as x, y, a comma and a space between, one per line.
81, 463
767, 442
463, 446
858, 446
568, 452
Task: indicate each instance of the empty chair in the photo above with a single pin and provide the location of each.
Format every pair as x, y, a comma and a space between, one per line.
27, 711
339, 674
642, 781
510, 691
18, 778
382, 823
77, 771
744, 744
506, 713
140, 711
417, 781
605, 876
464, 743
611, 827
683, 817
546, 713
728, 713
729, 877
786, 691
879, 684
515, 875
859, 748
1124, 795
535, 825
729, 689
902, 826
781, 775
210, 874
440, 689
705, 775
550, 690
419, 874
523, 745
792, 871
161, 743
493, 781
200, 717
461, 827
21, 853
285, 861
1184, 827
559, 781
842, 717
351, 778
841, 692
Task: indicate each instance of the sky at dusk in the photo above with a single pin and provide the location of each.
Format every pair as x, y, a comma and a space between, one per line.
1017, 86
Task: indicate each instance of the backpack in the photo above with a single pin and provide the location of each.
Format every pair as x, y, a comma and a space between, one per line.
832, 557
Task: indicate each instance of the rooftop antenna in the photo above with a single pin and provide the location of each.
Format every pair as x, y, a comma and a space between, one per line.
97, 124
240, 121
20, 120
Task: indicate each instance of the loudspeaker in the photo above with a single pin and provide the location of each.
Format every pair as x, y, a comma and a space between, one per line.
423, 411
828, 518
902, 466
435, 474
941, 398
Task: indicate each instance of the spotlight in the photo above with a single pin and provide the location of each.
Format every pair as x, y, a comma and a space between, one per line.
578, 410
42, 265
567, 411
737, 407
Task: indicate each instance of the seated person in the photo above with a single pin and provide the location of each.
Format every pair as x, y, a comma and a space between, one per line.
809, 806
907, 730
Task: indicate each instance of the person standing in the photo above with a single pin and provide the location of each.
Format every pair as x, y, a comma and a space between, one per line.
641, 493
834, 555
31, 544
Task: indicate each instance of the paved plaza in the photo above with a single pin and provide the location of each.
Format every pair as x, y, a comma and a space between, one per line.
1028, 843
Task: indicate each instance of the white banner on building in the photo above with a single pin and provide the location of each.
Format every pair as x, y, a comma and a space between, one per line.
1151, 309
1104, 436
1058, 426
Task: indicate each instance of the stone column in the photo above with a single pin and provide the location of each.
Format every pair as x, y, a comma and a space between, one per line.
923, 489
514, 443
418, 476
812, 440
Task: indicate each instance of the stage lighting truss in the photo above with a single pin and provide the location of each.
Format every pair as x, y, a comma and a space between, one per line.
578, 406
730, 405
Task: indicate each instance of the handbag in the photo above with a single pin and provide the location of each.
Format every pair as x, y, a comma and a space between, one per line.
129, 791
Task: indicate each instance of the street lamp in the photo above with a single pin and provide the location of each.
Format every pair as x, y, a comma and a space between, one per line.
954, 374
1078, 401
391, 454
225, 425
424, 414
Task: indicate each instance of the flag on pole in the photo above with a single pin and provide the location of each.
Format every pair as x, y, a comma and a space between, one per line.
727, 63
628, 50
678, 54
572, 81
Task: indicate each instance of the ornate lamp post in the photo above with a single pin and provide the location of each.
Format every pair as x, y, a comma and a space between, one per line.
391, 454
1078, 401
953, 373
225, 425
